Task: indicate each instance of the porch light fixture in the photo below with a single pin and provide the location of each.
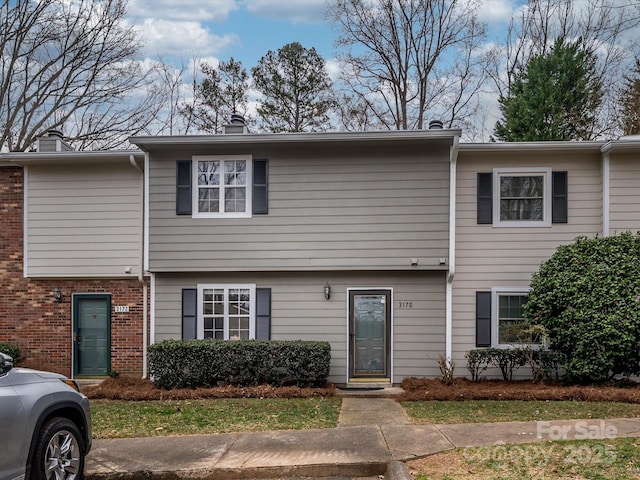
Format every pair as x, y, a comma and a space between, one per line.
57, 294
327, 291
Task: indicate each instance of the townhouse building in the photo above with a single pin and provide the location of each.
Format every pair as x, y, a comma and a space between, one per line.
396, 247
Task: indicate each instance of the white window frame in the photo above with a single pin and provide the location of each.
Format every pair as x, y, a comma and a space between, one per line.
226, 287
196, 188
496, 292
545, 172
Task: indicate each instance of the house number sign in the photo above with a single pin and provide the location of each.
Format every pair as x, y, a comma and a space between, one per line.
404, 304
121, 308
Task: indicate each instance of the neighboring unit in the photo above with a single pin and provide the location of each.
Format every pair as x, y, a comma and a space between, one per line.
515, 204
72, 289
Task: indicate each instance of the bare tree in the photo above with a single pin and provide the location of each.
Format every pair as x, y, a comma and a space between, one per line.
221, 93
70, 65
410, 60
603, 26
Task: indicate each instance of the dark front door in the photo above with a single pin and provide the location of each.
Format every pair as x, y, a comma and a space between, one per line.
369, 333
92, 334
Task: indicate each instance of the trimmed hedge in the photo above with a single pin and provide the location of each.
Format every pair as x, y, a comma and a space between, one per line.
211, 363
545, 364
14, 351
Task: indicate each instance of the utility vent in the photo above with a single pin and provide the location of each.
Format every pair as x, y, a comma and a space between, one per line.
435, 125
237, 125
52, 141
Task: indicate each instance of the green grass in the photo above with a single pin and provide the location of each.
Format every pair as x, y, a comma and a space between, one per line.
584, 459
120, 419
480, 411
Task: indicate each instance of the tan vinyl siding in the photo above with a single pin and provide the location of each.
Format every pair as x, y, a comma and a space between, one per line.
83, 221
488, 256
346, 210
299, 311
624, 193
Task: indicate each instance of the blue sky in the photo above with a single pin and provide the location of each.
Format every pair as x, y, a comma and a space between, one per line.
247, 29
179, 32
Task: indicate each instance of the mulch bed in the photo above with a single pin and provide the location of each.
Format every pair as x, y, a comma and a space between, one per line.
463, 389
127, 388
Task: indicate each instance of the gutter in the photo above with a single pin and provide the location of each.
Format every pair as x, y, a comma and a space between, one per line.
145, 288
453, 168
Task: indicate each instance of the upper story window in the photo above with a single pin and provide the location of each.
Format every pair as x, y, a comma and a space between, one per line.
223, 186
523, 197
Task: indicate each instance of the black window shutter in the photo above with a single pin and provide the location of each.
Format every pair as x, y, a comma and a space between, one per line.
485, 198
183, 187
263, 314
189, 309
260, 187
560, 195
483, 319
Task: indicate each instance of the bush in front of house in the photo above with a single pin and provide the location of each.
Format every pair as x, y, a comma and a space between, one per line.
13, 350
587, 297
545, 364
211, 363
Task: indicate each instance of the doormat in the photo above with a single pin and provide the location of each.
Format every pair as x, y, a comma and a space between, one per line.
359, 389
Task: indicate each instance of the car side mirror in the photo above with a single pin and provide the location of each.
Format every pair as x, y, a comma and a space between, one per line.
6, 363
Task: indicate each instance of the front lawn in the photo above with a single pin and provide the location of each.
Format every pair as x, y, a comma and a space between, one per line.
481, 411
617, 459
119, 419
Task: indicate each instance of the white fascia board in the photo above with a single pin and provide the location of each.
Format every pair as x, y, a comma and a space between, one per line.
623, 144
70, 157
146, 142
531, 146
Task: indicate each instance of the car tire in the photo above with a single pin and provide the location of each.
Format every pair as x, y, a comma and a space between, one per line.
59, 451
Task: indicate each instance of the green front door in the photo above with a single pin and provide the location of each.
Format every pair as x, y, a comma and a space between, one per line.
369, 333
92, 334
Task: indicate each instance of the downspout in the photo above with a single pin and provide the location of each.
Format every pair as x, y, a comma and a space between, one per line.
151, 308
145, 288
606, 178
453, 162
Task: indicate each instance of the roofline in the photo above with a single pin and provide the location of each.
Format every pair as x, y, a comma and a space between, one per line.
531, 146
67, 157
628, 143
145, 142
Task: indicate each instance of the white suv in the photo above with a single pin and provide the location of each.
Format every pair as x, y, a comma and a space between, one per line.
45, 423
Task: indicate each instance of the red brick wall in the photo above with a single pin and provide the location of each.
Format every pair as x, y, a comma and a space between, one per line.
30, 315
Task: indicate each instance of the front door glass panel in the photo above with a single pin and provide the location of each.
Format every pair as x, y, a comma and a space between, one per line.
369, 324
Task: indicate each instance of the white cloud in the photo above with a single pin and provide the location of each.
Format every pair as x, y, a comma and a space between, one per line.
334, 68
184, 10
495, 11
166, 37
298, 11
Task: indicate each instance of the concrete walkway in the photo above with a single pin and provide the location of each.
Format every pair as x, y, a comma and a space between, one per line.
373, 436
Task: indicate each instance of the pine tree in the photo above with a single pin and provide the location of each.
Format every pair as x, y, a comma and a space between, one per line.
631, 102
554, 97
296, 90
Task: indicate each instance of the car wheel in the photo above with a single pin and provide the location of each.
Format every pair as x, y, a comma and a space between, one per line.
59, 453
